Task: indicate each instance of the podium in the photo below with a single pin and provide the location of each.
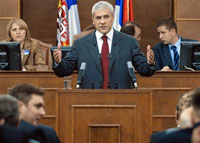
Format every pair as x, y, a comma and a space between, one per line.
104, 116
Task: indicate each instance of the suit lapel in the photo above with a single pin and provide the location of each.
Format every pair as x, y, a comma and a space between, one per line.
92, 47
116, 46
167, 55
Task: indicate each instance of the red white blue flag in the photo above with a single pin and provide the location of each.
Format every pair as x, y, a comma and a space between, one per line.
68, 23
123, 13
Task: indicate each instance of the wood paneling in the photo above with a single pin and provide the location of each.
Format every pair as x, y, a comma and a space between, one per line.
8, 10
40, 16
164, 101
42, 79
187, 17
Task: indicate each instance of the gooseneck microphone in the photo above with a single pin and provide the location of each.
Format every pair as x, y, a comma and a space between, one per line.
80, 75
132, 74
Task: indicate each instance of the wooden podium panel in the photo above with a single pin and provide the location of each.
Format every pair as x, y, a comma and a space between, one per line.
104, 116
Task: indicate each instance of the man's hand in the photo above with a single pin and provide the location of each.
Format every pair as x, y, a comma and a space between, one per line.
150, 55
57, 54
166, 68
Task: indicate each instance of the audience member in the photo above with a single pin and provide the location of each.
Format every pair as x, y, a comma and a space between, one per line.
132, 28
183, 118
9, 112
185, 135
167, 53
9, 120
31, 105
17, 31
104, 70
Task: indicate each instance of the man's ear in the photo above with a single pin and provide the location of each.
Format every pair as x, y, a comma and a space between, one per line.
21, 106
193, 116
2, 121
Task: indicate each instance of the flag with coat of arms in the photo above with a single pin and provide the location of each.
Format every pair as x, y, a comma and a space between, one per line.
68, 23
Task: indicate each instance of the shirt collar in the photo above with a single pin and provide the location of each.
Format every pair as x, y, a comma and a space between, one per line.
109, 34
177, 44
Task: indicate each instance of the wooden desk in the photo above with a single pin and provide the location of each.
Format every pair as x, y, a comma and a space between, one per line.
42, 79
170, 79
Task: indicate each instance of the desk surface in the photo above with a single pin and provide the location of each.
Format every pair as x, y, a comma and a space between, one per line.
189, 79
47, 79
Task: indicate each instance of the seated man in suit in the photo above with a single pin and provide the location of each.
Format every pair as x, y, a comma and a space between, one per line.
31, 105
185, 135
183, 119
167, 53
106, 53
9, 120
132, 28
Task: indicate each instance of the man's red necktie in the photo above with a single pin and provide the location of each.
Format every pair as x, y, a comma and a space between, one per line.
105, 61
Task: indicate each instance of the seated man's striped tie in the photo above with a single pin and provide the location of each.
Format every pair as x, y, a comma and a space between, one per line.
176, 58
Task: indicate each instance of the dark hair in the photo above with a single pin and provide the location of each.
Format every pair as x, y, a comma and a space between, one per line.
133, 23
9, 110
23, 92
168, 22
130, 30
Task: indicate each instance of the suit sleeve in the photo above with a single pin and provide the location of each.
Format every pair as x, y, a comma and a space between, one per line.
140, 61
157, 58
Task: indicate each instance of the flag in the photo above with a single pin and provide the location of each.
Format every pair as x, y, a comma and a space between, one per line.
68, 23
123, 13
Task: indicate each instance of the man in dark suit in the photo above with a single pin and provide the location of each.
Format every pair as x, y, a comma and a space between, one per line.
167, 53
105, 67
50, 134
9, 120
31, 105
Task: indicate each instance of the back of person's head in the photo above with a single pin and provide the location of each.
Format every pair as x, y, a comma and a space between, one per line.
9, 111
22, 25
184, 101
196, 103
129, 29
133, 23
168, 22
102, 5
23, 92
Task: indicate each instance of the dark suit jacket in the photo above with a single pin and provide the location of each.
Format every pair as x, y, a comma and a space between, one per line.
124, 48
156, 137
50, 134
10, 134
179, 136
33, 132
163, 56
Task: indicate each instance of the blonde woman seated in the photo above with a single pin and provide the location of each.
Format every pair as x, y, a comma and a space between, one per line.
17, 31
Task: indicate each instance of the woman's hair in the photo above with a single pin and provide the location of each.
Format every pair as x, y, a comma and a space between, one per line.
22, 24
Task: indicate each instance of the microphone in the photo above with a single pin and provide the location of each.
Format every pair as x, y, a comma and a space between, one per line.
132, 74
80, 75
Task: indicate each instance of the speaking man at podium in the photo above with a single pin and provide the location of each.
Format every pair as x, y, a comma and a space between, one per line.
101, 57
